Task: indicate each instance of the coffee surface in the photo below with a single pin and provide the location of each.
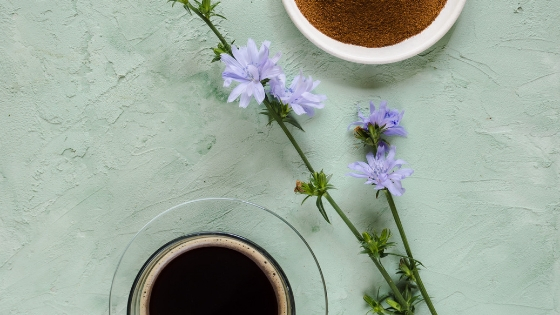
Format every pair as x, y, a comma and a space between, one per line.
370, 23
212, 280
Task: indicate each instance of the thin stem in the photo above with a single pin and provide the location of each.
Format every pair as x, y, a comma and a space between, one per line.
398, 222
344, 217
409, 253
209, 23
423, 291
288, 134
374, 147
391, 283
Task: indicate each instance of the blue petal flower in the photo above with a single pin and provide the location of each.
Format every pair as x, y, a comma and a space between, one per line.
249, 66
382, 170
298, 96
386, 119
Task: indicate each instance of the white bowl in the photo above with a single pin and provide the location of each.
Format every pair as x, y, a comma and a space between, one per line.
403, 50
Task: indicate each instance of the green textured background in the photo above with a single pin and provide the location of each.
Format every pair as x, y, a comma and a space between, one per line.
111, 113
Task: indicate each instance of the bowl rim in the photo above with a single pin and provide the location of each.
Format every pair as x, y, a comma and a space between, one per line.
383, 55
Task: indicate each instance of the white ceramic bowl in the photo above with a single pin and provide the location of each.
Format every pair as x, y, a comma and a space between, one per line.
403, 50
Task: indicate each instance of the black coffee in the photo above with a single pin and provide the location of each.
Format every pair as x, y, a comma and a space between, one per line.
212, 280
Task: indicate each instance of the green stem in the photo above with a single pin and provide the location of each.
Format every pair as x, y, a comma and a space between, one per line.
209, 23
409, 253
391, 283
288, 134
344, 217
398, 222
424, 292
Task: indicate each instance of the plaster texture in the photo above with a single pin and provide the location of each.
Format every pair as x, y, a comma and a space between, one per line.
111, 113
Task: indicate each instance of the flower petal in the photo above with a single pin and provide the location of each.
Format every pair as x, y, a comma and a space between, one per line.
258, 92
244, 100
240, 55
396, 131
241, 88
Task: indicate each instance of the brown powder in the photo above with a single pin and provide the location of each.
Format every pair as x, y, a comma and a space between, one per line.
370, 23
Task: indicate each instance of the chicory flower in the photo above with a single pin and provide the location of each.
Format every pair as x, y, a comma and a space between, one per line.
385, 120
249, 66
382, 170
298, 95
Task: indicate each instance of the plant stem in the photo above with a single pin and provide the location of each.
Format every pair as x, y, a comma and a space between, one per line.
409, 253
391, 283
209, 23
289, 135
343, 216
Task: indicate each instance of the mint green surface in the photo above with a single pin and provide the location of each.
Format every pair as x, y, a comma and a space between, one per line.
111, 113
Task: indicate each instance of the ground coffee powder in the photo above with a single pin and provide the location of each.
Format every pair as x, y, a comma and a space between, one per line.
370, 23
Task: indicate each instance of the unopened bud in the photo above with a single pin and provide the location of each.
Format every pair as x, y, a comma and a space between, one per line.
361, 133
299, 188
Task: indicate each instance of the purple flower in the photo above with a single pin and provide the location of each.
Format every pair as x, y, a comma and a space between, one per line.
380, 170
298, 96
385, 119
249, 66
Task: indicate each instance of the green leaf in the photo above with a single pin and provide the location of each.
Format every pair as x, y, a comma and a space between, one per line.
321, 208
305, 199
187, 8
270, 117
418, 263
290, 119
370, 300
367, 237
394, 304
385, 234
415, 300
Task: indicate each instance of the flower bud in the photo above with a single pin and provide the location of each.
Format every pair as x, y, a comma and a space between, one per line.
405, 270
299, 188
360, 133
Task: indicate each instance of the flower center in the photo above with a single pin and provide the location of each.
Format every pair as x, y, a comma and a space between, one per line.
379, 168
252, 73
